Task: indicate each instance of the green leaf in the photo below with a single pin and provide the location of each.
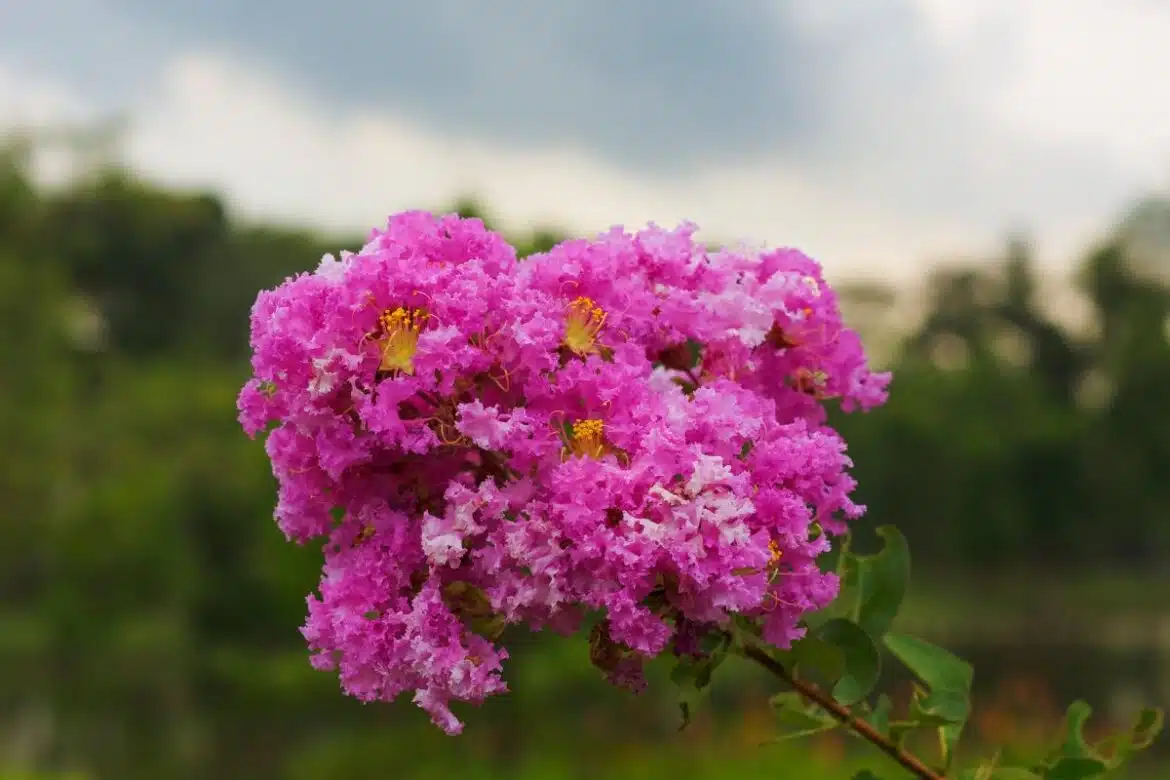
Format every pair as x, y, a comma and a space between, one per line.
694, 352
949, 677
1075, 751
830, 560
812, 652
865, 774
863, 662
1070, 768
880, 717
840, 561
900, 728
1146, 728
938, 668
489, 627
948, 739
714, 643
881, 581
1074, 745
797, 718
466, 600
691, 680
952, 709
1140, 736
999, 773
693, 676
745, 629
938, 708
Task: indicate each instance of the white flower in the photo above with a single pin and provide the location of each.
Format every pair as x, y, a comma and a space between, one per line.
333, 270
709, 470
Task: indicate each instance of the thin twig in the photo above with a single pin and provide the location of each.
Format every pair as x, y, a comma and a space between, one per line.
842, 714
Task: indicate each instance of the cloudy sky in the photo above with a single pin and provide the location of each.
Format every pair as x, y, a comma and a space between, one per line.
875, 134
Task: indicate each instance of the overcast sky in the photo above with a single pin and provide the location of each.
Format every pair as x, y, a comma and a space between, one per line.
875, 134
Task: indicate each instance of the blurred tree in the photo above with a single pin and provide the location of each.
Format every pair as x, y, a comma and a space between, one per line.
1053, 357
471, 207
958, 314
150, 606
253, 259
1126, 279
137, 251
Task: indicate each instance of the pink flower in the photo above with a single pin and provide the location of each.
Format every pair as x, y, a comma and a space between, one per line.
630, 424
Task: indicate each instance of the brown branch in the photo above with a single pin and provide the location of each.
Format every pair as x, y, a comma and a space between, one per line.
842, 714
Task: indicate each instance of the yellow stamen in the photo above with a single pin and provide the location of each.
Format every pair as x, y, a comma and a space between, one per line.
363, 535
582, 325
399, 338
772, 568
811, 382
587, 439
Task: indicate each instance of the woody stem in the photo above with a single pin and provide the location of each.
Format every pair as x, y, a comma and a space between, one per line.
826, 702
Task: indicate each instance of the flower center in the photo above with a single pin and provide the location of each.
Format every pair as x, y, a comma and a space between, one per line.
399, 338
812, 382
363, 535
793, 337
586, 439
584, 321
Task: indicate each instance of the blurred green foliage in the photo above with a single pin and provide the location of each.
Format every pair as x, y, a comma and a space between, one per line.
149, 605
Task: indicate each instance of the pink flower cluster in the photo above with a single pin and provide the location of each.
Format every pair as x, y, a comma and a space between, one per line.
631, 426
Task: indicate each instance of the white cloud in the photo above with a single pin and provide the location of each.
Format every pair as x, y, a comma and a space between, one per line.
26, 101
1041, 114
218, 123
1085, 73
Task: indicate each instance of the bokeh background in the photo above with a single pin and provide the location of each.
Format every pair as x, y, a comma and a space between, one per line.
985, 182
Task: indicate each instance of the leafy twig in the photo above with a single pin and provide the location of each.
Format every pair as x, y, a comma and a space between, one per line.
842, 714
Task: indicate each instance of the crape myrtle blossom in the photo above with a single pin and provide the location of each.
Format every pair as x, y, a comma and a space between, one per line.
630, 426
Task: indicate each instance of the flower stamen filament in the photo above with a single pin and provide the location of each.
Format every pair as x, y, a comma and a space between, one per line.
582, 325
398, 340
